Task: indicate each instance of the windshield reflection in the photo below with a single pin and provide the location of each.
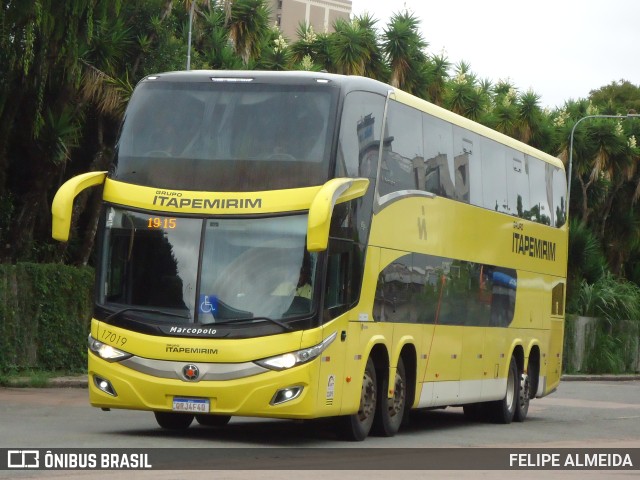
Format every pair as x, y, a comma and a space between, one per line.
256, 268
250, 269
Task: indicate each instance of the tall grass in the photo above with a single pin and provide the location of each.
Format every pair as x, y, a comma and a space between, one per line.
614, 342
610, 298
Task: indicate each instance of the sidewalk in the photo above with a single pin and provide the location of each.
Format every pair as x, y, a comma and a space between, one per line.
605, 377
80, 381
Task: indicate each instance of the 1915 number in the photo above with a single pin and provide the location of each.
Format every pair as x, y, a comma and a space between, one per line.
157, 222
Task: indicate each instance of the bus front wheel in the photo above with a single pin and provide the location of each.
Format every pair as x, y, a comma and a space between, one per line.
173, 420
356, 427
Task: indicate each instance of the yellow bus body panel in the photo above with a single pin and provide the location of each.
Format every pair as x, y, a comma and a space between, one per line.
248, 396
62, 206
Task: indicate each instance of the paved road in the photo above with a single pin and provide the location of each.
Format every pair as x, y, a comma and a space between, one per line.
580, 414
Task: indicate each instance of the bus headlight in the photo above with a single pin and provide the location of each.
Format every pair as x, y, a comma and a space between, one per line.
293, 359
107, 352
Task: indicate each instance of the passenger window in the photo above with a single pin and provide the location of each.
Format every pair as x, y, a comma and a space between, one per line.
439, 176
396, 293
539, 184
557, 299
559, 196
402, 151
494, 177
518, 183
466, 146
360, 133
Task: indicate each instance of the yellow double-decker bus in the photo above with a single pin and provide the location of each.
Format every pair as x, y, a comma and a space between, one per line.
302, 245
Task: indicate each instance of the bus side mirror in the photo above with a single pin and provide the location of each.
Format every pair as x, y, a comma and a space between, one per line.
334, 191
62, 207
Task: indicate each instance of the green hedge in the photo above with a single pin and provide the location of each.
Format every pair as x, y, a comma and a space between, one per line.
45, 312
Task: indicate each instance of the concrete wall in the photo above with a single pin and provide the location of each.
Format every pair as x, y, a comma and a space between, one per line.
586, 336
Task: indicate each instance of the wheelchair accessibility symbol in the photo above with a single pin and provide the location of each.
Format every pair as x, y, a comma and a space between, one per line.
209, 304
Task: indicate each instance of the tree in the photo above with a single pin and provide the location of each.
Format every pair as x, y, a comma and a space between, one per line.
464, 95
276, 54
529, 118
404, 48
618, 96
437, 74
40, 123
353, 47
248, 26
212, 45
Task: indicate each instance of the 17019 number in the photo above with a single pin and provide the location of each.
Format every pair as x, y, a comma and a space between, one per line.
113, 337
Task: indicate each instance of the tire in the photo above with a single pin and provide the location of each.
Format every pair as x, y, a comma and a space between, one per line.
356, 427
173, 420
524, 395
503, 411
390, 411
213, 420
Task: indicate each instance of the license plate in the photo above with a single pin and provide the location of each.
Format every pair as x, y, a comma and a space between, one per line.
196, 405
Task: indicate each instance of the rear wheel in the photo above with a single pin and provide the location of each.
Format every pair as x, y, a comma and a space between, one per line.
524, 392
390, 411
173, 420
356, 427
213, 420
503, 411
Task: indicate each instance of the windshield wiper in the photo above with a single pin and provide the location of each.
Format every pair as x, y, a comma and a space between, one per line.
145, 310
284, 326
276, 322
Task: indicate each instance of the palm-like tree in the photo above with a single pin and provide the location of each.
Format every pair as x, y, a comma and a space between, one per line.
621, 168
404, 48
276, 54
529, 117
312, 49
437, 75
376, 67
464, 95
586, 259
213, 42
248, 27
352, 47
620, 229
503, 117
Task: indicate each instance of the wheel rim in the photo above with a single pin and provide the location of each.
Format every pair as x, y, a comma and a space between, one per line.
367, 399
524, 391
396, 404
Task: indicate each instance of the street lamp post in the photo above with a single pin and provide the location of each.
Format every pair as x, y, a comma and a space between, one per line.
193, 4
629, 115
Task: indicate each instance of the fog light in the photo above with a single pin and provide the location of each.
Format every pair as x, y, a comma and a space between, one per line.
104, 385
285, 395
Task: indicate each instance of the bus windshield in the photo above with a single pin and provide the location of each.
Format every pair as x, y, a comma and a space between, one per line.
226, 136
164, 268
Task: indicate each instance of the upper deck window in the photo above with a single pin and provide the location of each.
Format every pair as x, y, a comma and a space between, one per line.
227, 137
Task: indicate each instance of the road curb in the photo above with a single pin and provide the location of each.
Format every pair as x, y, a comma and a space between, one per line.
601, 378
69, 382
